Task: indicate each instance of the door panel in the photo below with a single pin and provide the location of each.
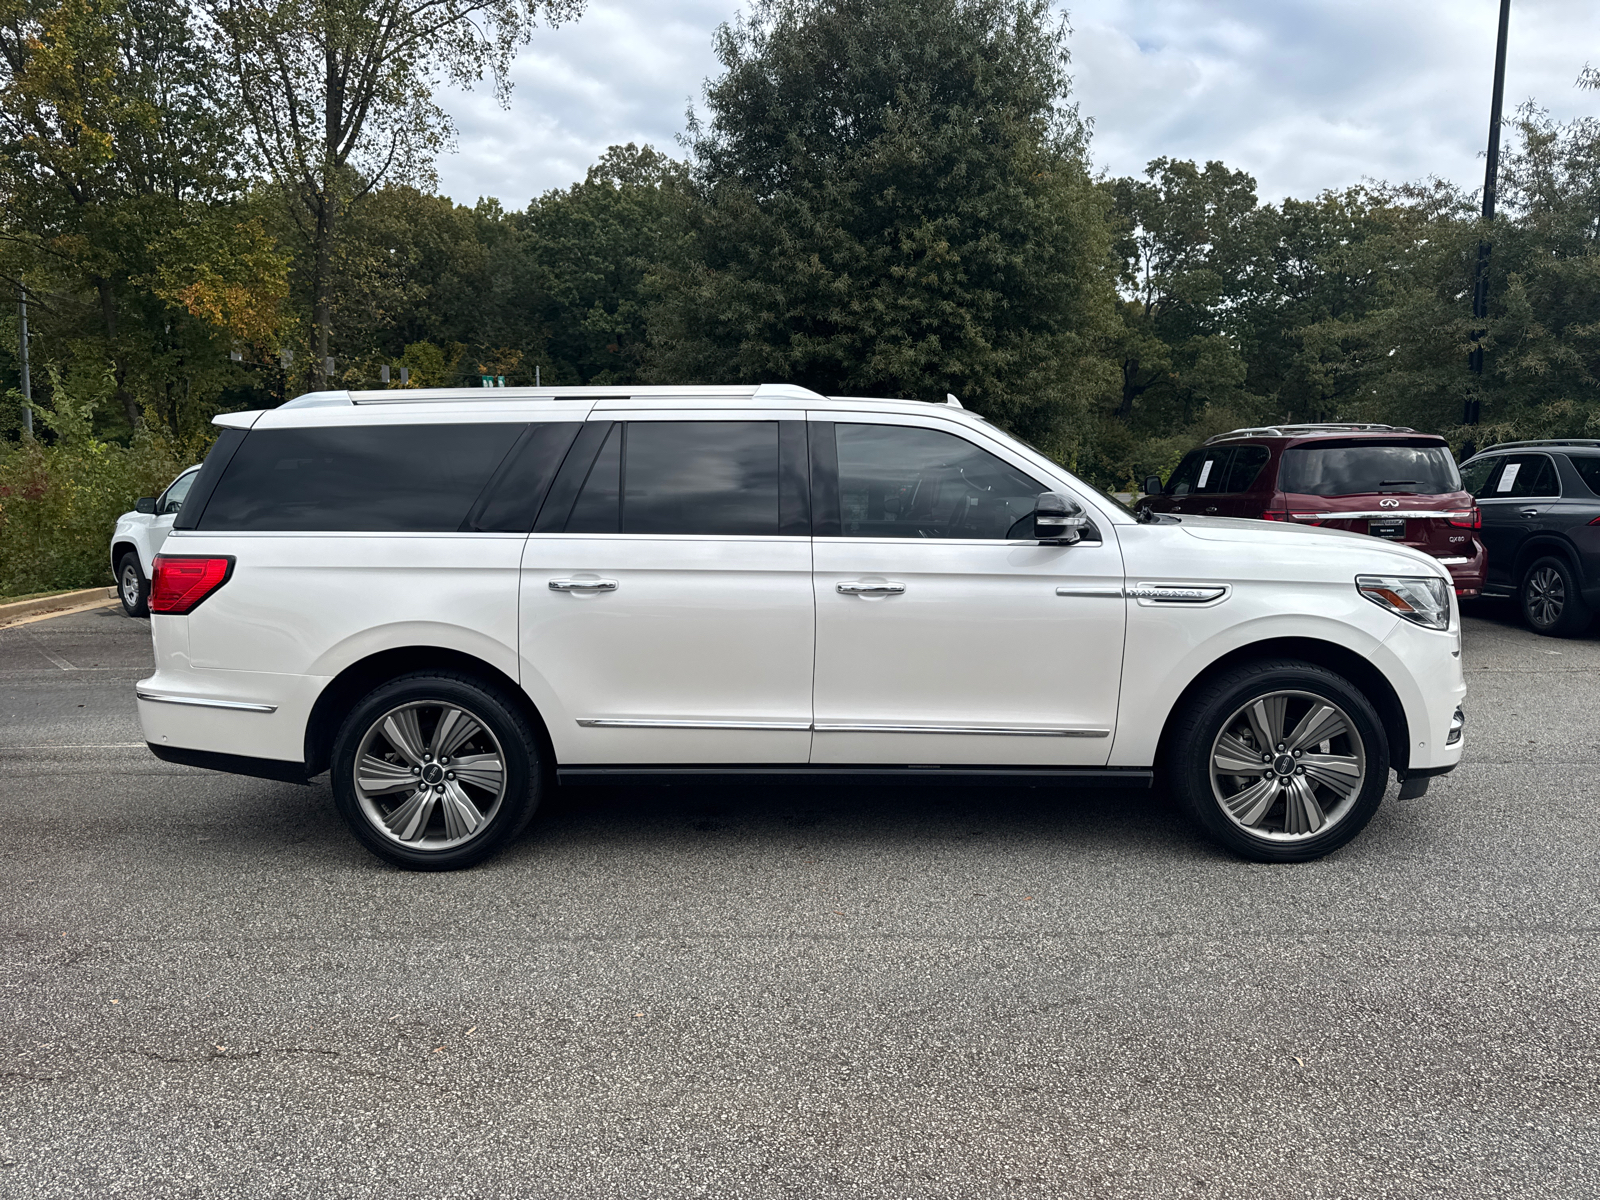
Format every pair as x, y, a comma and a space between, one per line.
666, 607
1514, 499
707, 632
935, 612
978, 639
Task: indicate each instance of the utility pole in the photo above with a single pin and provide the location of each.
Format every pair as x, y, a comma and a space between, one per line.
22, 359
1491, 176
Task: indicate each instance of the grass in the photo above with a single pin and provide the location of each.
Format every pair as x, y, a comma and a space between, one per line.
39, 595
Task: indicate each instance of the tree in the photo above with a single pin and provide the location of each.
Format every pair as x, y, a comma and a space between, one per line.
891, 197
588, 250
339, 94
114, 154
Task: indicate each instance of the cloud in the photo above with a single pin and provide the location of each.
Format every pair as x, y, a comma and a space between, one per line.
1304, 94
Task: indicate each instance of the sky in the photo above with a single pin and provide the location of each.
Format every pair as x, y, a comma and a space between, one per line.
1303, 94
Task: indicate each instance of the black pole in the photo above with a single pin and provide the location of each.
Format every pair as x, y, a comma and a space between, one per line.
1491, 178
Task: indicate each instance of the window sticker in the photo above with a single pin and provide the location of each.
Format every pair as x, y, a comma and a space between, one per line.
1508, 478
1205, 474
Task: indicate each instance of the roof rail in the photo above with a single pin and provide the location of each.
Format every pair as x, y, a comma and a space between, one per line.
1543, 442
763, 391
1317, 427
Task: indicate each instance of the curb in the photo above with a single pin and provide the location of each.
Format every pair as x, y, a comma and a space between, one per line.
84, 598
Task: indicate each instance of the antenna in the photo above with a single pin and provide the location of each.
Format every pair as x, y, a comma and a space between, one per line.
950, 399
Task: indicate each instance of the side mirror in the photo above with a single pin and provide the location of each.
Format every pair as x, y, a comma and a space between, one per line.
1057, 521
1151, 485
145, 504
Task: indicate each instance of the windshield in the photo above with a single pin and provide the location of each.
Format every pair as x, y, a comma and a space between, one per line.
1343, 469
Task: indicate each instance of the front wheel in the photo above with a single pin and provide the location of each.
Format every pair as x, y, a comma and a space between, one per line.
1279, 761
133, 589
1551, 602
435, 772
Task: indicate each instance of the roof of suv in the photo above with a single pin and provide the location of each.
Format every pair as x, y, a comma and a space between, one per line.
1332, 429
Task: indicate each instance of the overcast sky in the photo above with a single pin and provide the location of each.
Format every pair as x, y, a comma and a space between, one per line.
1303, 94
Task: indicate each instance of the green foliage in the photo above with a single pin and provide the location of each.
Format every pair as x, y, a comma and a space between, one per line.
59, 499
892, 197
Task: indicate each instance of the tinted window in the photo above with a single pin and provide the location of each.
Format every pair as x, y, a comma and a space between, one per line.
172, 499
1522, 475
1476, 473
898, 481
520, 486
1345, 469
1245, 466
599, 506
706, 477
1212, 470
1588, 466
384, 478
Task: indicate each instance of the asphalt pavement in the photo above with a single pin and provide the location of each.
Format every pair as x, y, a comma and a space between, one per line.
207, 988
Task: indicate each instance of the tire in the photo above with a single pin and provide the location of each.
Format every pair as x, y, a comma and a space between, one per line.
1552, 603
133, 589
1287, 814
408, 805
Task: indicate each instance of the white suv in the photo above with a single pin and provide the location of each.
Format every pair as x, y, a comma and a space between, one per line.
138, 537
453, 599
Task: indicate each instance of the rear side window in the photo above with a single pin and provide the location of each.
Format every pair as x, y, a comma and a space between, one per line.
1519, 476
1588, 467
1246, 465
1359, 468
357, 479
702, 478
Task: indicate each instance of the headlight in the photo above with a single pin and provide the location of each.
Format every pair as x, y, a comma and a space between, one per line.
1424, 599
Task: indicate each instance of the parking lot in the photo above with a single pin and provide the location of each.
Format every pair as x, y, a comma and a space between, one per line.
208, 988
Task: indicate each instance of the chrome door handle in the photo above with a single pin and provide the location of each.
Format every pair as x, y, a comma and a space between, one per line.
857, 588
1530, 512
1213, 508
583, 585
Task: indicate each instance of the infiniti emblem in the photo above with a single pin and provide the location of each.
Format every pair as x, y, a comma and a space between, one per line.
1388, 504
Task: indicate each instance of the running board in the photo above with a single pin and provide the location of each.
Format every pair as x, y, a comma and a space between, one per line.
804, 774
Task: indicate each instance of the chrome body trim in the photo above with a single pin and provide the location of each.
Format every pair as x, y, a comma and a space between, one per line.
844, 727
207, 702
631, 723
1373, 514
1177, 593
1112, 592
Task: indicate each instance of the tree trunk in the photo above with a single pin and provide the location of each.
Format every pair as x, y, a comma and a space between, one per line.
1130, 372
119, 366
321, 314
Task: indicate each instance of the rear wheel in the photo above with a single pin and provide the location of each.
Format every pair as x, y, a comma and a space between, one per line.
133, 589
1551, 602
435, 772
1279, 761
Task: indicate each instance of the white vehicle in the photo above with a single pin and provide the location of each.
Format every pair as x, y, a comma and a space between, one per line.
455, 599
138, 537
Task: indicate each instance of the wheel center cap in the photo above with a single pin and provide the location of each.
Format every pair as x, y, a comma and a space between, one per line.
432, 773
1284, 764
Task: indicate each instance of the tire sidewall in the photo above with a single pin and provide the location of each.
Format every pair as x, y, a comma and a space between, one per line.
486, 704
1575, 614
1189, 762
142, 607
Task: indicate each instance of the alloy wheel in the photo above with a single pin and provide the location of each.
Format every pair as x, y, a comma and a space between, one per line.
1546, 596
1287, 766
430, 776
130, 585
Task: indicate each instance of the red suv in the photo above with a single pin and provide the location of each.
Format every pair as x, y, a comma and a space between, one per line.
1384, 480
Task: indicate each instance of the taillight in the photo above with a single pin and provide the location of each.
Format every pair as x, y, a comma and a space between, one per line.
1471, 519
1269, 515
182, 581
1596, 521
